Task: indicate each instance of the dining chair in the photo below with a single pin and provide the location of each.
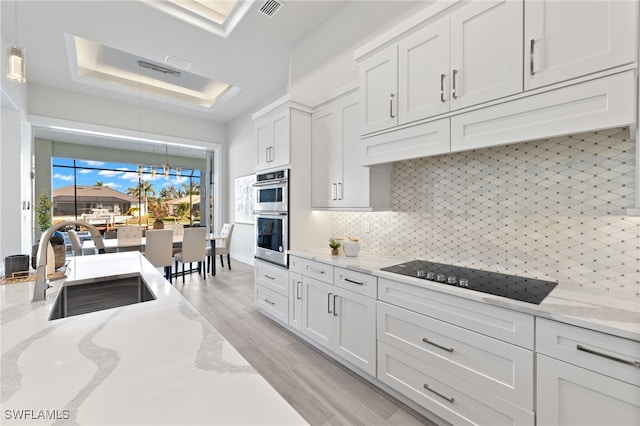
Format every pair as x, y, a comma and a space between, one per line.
159, 250
130, 237
76, 244
178, 231
194, 241
223, 246
110, 235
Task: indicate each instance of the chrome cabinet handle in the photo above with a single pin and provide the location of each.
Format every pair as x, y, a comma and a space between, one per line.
611, 357
424, 339
352, 281
329, 303
442, 88
450, 399
339, 191
532, 45
317, 271
453, 92
298, 288
391, 96
335, 311
269, 302
334, 191
269, 277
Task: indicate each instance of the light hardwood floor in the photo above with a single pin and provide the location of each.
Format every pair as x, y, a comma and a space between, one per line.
319, 388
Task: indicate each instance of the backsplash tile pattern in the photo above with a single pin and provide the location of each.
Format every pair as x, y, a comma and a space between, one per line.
551, 209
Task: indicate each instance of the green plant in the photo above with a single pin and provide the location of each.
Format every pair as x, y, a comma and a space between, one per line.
335, 245
43, 212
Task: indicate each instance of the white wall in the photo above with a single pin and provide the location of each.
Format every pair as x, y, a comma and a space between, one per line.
241, 161
324, 60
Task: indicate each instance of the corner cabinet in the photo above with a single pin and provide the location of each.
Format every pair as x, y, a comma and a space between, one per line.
275, 129
338, 181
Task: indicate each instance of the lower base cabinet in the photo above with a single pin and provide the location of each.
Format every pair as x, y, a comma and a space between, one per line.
570, 395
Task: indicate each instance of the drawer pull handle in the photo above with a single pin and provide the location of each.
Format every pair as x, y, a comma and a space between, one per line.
335, 310
424, 339
353, 282
269, 277
269, 302
611, 357
298, 292
317, 271
450, 399
329, 304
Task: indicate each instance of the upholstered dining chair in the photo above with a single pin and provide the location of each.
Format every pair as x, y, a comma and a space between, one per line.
223, 246
194, 241
178, 231
76, 244
159, 250
130, 237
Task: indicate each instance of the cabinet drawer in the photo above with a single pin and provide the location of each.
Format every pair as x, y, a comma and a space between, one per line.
319, 271
504, 324
295, 264
360, 283
272, 277
455, 400
494, 366
603, 353
272, 303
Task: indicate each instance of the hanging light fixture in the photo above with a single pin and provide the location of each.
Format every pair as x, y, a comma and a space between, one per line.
16, 57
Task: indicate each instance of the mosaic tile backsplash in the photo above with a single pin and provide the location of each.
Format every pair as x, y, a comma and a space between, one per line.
553, 209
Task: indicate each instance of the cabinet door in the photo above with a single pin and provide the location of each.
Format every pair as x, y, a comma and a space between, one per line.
281, 139
354, 189
486, 52
354, 329
570, 395
379, 90
326, 152
567, 39
295, 300
423, 73
317, 311
264, 141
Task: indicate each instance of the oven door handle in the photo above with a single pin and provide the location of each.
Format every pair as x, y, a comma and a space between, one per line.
270, 182
269, 213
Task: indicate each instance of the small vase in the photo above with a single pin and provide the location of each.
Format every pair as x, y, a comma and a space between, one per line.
351, 248
158, 224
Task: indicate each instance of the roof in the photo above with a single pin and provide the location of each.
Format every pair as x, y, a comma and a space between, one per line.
195, 199
87, 193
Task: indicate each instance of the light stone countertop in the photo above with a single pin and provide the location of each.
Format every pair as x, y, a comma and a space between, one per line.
602, 311
158, 362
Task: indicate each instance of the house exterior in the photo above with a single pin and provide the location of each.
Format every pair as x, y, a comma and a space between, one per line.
89, 198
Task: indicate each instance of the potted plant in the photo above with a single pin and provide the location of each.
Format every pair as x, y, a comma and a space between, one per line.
43, 217
334, 245
159, 212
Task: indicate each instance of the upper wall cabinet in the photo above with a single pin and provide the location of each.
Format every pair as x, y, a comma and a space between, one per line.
568, 39
337, 179
275, 128
471, 56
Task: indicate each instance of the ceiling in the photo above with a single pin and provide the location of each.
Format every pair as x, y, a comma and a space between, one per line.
253, 59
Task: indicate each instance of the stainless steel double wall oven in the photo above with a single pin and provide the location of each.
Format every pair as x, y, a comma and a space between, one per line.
272, 216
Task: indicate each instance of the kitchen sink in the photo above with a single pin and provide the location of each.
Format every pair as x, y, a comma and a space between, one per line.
85, 296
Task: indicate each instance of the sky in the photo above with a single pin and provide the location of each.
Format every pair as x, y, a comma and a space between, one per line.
118, 176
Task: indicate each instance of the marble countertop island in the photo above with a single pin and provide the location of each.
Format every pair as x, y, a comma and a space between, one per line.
157, 362
602, 311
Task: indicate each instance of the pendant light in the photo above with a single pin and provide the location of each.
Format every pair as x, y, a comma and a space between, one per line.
16, 57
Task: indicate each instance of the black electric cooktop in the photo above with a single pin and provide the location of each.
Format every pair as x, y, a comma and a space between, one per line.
518, 288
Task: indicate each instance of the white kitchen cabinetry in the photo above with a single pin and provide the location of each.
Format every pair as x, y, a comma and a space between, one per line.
340, 320
467, 362
565, 39
471, 56
275, 131
338, 180
295, 292
271, 287
585, 377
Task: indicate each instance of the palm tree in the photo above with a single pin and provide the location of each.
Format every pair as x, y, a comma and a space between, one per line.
191, 188
143, 189
99, 183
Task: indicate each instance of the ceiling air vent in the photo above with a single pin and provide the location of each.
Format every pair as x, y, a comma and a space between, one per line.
270, 8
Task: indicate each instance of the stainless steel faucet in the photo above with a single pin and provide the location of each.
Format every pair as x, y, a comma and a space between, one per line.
41, 284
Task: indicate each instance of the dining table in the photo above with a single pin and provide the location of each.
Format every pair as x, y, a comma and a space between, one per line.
139, 244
